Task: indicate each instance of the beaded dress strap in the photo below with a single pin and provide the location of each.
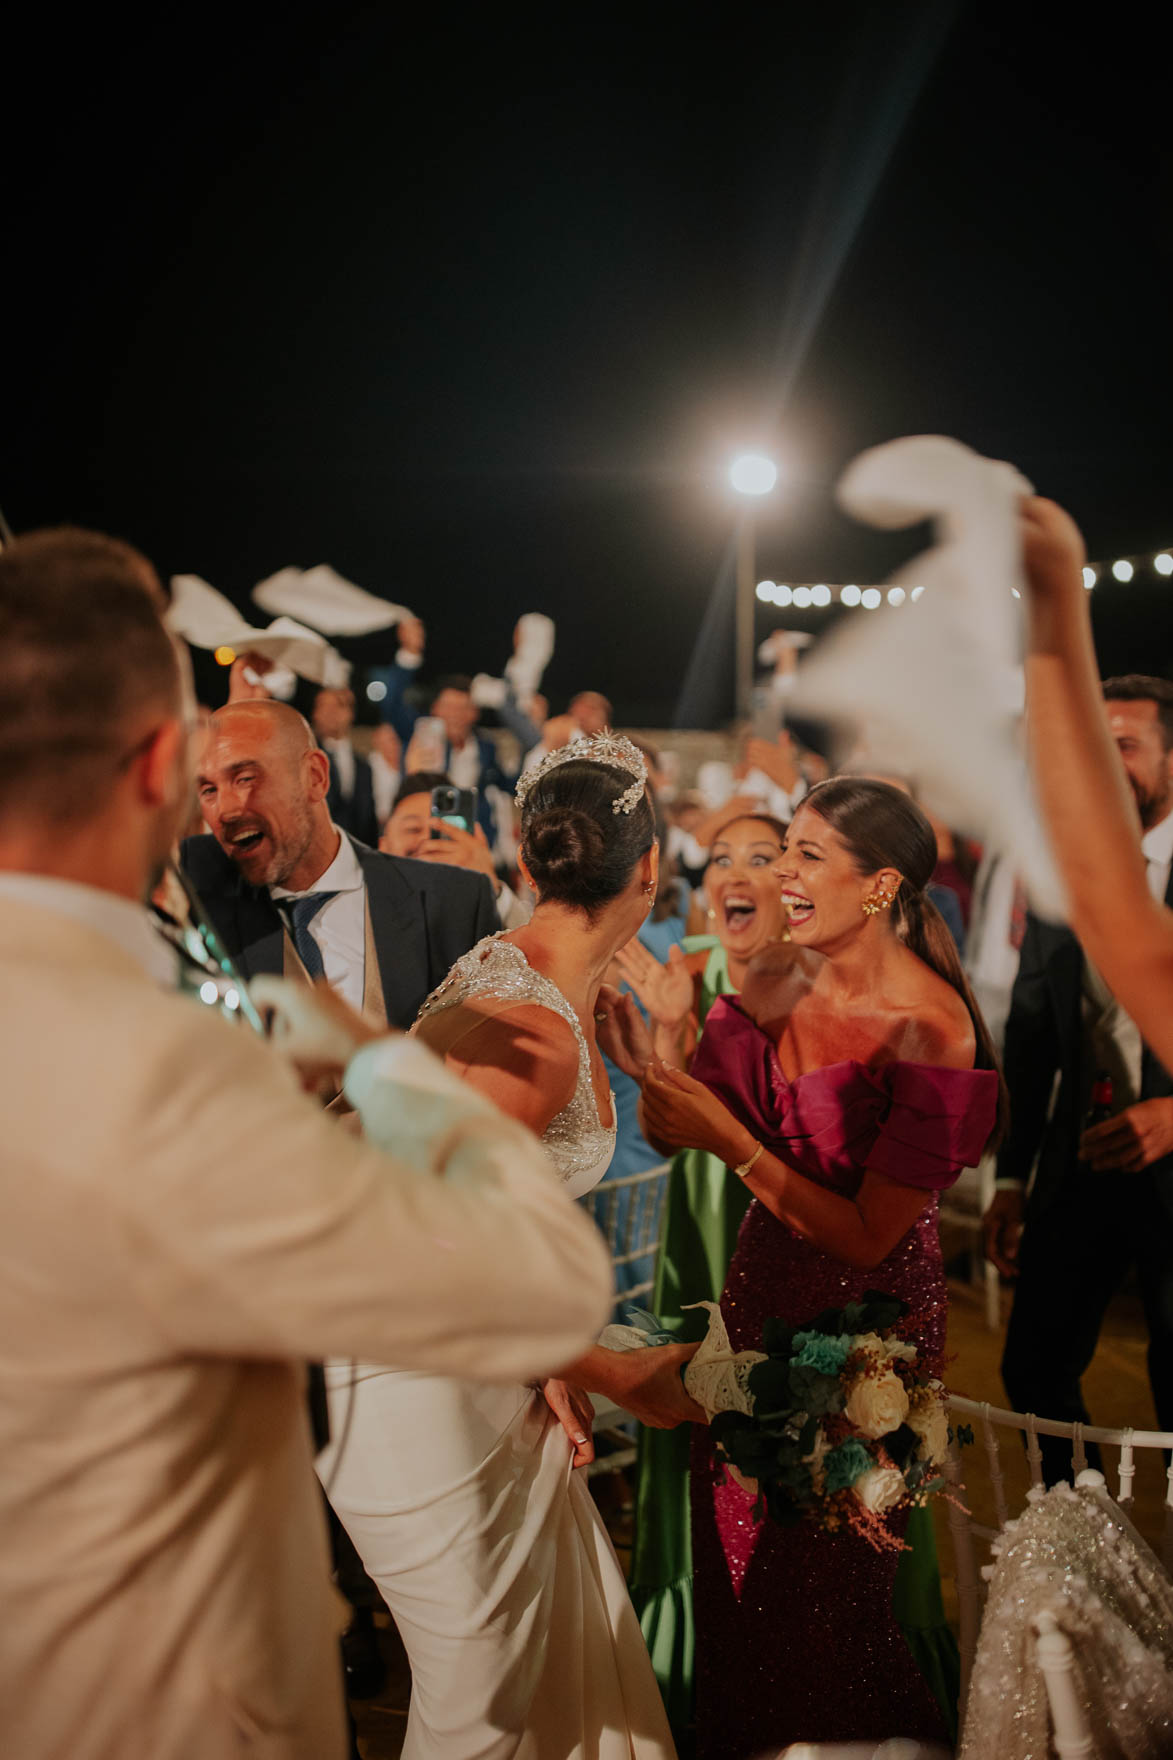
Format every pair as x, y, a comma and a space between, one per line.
480, 972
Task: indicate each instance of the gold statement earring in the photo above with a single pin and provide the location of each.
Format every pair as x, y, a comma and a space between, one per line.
879, 901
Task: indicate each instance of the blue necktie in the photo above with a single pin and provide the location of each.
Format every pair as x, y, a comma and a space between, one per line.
302, 912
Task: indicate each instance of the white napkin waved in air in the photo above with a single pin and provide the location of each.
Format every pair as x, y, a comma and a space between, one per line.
532, 653
206, 619
936, 684
322, 598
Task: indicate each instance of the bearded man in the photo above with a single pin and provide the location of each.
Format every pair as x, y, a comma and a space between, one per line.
1101, 1203
288, 892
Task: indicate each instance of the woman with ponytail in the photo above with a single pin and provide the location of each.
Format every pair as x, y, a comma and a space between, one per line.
850, 1083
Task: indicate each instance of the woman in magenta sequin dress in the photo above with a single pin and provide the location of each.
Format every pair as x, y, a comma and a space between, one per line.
843, 1080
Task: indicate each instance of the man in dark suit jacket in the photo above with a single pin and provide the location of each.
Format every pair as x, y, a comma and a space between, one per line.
351, 796
289, 893
284, 888
1102, 1200
469, 758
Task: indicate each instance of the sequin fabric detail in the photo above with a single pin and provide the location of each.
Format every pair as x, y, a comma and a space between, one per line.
796, 1639
1074, 1554
578, 1144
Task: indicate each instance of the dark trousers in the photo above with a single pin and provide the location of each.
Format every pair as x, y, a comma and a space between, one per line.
1076, 1251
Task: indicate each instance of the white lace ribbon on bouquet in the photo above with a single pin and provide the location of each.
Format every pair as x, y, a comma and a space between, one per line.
716, 1377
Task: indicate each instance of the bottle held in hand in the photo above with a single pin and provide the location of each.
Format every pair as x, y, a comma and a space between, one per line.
1102, 1105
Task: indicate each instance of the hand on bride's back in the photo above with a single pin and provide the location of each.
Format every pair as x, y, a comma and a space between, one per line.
647, 1384
621, 1032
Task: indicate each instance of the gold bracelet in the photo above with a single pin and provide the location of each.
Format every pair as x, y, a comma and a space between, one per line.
743, 1167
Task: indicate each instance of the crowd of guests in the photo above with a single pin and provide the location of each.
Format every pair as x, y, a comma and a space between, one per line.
1052, 1019
160, 1524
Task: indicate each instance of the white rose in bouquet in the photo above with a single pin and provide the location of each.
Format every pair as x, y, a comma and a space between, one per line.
877, 1403
898, 1350
928, 1418
884, 1350
879, 1489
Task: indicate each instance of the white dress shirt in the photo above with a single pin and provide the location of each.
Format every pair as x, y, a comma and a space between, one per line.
1114, 1041
340, 926
464, 766
384, 785
124, 921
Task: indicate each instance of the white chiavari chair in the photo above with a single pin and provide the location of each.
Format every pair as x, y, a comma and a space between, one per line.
995, 1428
630, 1213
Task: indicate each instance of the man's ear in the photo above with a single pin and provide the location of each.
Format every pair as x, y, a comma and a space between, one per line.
317, 774
159, 763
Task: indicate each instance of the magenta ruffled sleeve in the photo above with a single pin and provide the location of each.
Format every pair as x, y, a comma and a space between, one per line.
914, 1123
937, 1122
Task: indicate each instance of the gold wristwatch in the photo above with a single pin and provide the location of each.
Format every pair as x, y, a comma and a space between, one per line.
743, 1167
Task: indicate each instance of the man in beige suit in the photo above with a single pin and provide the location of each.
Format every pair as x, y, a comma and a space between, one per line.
180, 1228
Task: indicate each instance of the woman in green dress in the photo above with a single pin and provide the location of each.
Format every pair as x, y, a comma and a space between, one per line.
703, 1213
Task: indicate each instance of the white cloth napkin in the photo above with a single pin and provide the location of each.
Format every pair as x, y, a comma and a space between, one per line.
206, 619
323, 599
936, 683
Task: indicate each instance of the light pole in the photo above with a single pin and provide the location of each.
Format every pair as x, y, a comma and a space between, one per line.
751, 476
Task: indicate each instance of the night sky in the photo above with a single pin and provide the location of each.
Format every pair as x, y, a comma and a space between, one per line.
477, 311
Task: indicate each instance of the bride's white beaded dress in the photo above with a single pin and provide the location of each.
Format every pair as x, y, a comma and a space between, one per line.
464, 1508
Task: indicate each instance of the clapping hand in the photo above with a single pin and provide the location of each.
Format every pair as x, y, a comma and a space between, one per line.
664, 990
681, 1113
622, 1033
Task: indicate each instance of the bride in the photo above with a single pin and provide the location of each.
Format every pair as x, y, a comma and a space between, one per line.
460, 1498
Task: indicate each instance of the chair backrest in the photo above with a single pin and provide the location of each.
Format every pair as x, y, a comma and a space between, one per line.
1075, 1656
629, 1212
1071, 1732
968, 1535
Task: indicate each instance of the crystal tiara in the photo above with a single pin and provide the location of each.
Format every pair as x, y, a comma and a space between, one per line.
605, 748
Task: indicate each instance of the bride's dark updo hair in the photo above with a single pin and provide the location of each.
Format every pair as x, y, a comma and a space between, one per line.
883, 827
580, 852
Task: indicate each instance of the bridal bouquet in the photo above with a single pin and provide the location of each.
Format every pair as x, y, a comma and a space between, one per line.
837, 1421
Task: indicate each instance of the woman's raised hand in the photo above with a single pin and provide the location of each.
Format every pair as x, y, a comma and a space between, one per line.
664, 990
681, 1113
621, 1032
1052, 549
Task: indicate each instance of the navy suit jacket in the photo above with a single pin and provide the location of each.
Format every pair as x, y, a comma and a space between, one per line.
356, 815
424, 916
1044, 1038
